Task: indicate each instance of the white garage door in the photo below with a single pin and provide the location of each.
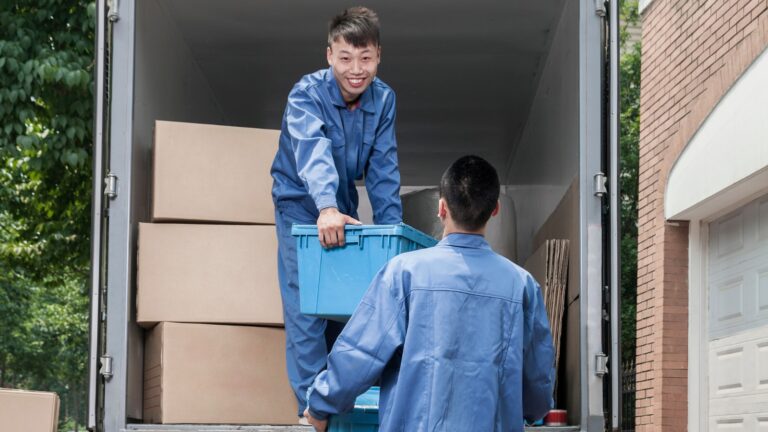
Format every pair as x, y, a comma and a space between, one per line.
738, 320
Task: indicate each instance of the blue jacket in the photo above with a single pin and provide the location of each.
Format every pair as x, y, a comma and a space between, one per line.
324, 148
459, 336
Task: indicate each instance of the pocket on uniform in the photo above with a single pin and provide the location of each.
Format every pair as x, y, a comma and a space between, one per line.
336, 135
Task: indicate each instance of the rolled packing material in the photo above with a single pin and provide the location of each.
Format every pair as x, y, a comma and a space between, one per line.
420, 212
217, 374
212, 173
208, 274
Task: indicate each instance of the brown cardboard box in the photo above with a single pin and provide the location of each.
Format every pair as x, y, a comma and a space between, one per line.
213, 173
28, 411
217, 374
208, 274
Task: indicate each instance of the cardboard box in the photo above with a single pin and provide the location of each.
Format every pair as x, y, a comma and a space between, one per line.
213, 173
28, 411
208, 274
217, 374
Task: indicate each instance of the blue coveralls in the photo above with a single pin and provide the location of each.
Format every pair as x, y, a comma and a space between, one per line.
324, 147
459, 336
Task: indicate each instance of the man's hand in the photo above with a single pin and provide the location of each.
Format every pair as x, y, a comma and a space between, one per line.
330, 227
319, 425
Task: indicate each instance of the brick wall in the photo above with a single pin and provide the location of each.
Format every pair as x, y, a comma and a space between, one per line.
693, 51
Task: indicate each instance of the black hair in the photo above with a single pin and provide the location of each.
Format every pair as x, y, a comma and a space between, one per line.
359, 26
470, 187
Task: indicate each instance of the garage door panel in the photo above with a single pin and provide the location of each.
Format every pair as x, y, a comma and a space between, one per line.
738, 271
738, 380
737, 287
762, 291
728, 303
729, 234
749, 422
730, 366
729, 424
763, 220
762, 365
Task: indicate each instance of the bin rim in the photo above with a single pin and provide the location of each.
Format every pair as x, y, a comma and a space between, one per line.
368, 402
401, 230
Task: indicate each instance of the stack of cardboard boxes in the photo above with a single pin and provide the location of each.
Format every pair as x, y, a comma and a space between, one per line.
207, 288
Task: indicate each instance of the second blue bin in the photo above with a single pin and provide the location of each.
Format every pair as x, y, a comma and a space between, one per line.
332, 281
363, 418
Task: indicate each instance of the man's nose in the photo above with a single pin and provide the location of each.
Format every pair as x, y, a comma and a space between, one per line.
357, 66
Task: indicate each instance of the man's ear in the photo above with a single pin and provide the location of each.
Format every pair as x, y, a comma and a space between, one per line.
329, 56
442, 208
496, 210
378, 50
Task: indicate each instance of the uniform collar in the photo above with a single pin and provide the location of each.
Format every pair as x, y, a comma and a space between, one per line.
366, 99
475, 241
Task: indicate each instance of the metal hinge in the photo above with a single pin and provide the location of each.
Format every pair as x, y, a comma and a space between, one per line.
600, 181
113, 7
110, 186
599, 8
601, 364
106, 367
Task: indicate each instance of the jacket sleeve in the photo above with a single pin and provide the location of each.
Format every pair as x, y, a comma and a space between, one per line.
538, 355
312, 149
368, 342
382, 177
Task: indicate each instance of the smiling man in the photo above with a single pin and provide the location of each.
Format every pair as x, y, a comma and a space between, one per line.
338, 127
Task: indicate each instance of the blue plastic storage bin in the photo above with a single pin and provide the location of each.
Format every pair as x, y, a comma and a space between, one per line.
332, 281
363, 418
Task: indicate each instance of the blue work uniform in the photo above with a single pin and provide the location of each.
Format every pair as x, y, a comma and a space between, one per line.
457, 334
324, 147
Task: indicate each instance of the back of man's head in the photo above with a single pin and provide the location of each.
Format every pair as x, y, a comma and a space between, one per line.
358, 26
470, 187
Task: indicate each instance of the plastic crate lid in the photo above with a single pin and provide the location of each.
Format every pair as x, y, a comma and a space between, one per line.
401, 230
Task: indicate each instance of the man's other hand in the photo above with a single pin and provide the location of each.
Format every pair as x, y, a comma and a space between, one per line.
319, 425
330, 227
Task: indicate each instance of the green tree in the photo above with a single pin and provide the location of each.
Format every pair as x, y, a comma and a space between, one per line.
628, 176
46, 112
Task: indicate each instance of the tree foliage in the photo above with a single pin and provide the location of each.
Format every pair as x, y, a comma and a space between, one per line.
46, 112
628, 177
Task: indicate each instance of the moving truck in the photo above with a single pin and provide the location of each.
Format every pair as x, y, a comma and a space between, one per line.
529, 85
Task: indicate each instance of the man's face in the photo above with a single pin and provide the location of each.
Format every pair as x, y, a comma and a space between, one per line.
354, 68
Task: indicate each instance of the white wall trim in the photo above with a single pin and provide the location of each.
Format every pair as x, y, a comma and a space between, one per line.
698, 313
642, 5
727, 157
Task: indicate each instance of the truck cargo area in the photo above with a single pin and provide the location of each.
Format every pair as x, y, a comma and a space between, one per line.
517, 82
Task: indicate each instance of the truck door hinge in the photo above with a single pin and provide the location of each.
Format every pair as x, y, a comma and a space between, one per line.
599, 8
600, 181
110, 186
113, 13
106, 367
601, 364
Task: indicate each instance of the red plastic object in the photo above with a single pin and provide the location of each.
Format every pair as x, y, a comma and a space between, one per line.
556, 417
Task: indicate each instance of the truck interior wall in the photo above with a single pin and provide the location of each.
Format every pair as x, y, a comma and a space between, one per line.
168, 86
543, 182
546, 159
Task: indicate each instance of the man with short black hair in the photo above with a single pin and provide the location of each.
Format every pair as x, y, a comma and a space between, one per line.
338, 127
457, 334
